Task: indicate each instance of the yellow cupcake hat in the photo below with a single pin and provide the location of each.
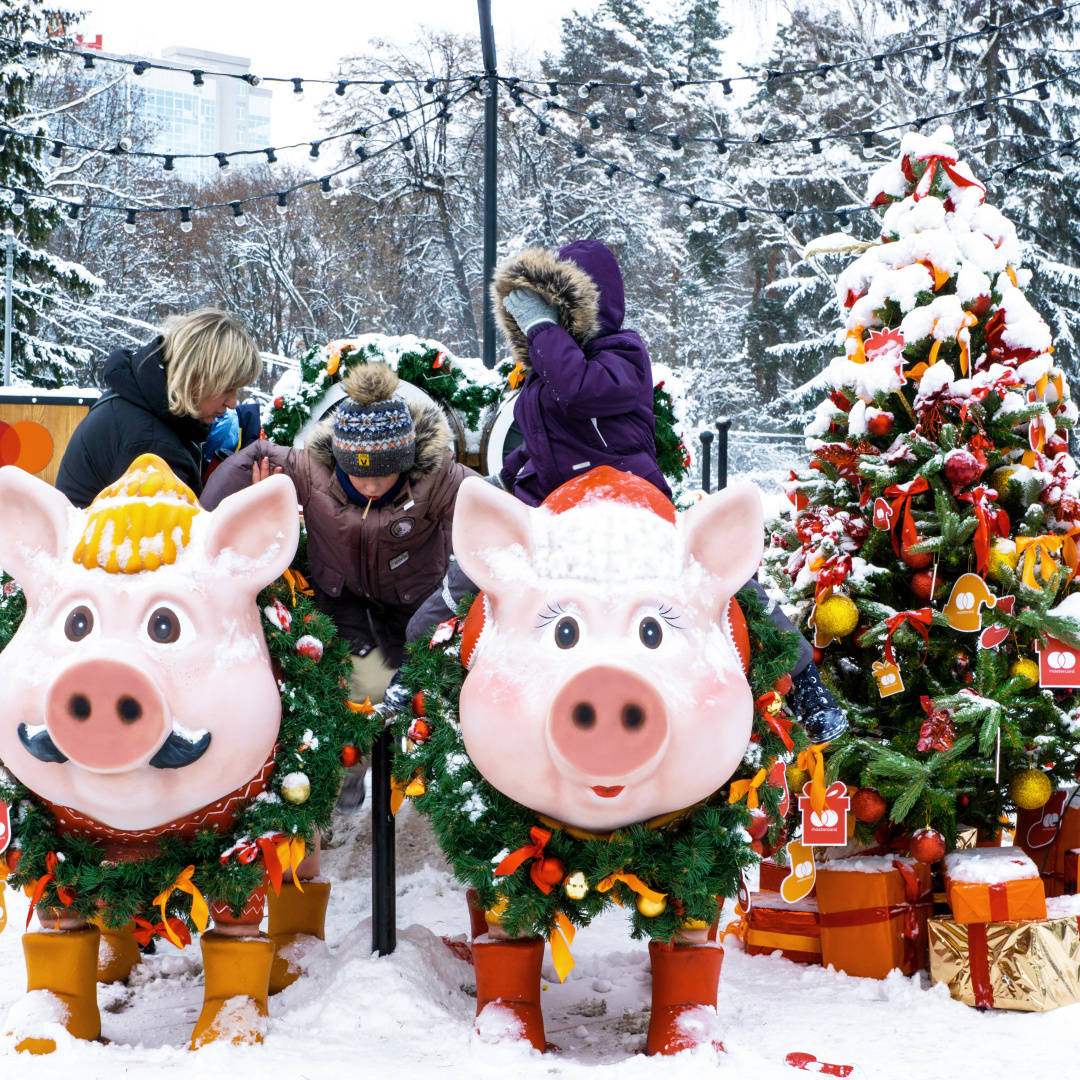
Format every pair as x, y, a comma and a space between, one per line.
140, 522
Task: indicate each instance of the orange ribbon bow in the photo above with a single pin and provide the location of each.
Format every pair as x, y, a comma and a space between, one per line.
144, 931
900, 510
66, 896
811, 760
634, 884
739, 788
200, 913
297, 584
1042, 549
534, 851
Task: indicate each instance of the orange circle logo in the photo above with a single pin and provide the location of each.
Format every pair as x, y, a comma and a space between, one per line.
26, 444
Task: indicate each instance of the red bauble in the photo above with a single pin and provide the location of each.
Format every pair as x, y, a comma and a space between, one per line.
311, 647
921, 582
349, 756
979, 306
419, 707
962, 467
550, 871
868, 805
964, 800
880, 424
756, 848
783, 684
419, 730
759, 824
279, 403
917, 560
927, 845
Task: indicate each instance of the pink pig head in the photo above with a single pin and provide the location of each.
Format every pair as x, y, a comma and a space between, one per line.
138, 689
605, 687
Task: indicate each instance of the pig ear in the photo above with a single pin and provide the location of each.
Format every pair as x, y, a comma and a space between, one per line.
33, 525
725, 533
486, 521
253, 534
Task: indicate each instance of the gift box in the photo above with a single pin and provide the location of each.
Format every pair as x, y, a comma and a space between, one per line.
993, 885
872, 910
1048, 834
1029, 966
792, 929
772, 876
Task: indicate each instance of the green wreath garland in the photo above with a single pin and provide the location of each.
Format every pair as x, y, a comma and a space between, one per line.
693, 861
316, 728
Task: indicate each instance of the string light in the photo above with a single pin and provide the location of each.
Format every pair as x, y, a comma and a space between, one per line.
129, 222
282, 204
73, 211
239, 218
169, 163
298, 89
387, 86
342, 86
197, 77
271, 157
313, 152
17, 205
185, 219
222, 160
140, 67
326, 189
56, 155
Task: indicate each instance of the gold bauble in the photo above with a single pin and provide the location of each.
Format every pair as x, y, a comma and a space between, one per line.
1003, 554
1029, 789
1000, 477
494, 914
693, 924
797, 779
836, 617
651, 908
296, 788
1027, 670
575, 886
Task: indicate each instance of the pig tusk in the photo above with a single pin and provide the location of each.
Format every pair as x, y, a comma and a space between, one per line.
39, 744
178, 750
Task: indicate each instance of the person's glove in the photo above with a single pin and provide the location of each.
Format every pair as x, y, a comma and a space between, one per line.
528, 309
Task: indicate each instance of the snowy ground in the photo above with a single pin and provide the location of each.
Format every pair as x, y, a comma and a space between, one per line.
353, 1014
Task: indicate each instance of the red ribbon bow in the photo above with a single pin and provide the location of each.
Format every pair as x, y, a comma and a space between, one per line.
67, 897
534, 851
926, 182
833, 573
901, 495
915, 900
144, 931
248, 851
991, 521
919, 620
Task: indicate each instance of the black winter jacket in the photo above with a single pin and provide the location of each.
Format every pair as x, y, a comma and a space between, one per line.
130, 419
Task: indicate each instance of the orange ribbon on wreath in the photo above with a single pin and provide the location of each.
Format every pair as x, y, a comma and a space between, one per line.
634, 884
900, 510
919, 619
768, 706
811, 760
145, 931
67, 897
400, 789
1043, 548
534, 851
991, 521
200, 912
749, 788
560, 940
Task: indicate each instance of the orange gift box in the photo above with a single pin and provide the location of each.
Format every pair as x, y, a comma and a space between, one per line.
772, 876
773, 924
993, 885
872, 910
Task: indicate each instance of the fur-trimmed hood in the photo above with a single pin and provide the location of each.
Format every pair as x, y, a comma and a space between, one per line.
433, 439
582, 281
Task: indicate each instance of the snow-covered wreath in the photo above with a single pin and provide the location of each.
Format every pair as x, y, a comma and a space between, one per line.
538, 876
167, 893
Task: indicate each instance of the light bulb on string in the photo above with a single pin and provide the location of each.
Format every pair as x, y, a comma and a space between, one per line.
979, 24
877, 72
360, 150
18, 205
298, 89
640, 91
185, 219
341, 87
387, 86
88, 62
579, 149
542, 127
326, 188
764, 77
610, 171
140, 67
815, 145
129, 222
251, 79
660, 179
935, 52
239, 217
56, 155
675, 85
222, 160
742, 219
73, 212
725, 85
594, 122
843, 221
553, 89
686, 208
1042, 91
271, 156
282, 204
676, 145
429, 86
407, 144
721, 146
585, 89
197, 77
314, 151
867, 143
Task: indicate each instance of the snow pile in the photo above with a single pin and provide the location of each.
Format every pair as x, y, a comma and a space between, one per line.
989, 866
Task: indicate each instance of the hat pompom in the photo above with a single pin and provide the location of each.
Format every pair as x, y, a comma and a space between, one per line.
368, 383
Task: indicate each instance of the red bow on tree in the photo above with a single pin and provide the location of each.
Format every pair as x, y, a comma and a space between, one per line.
901, 495
937, 731
919, 620
534, 851
833, 572
144, 931
992, 521
926, 181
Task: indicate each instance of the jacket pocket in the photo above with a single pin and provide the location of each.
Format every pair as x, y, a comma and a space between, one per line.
331, 581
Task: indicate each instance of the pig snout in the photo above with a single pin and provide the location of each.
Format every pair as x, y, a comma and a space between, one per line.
106, 715
608, 722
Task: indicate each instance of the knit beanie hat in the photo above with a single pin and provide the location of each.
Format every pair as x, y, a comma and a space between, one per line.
373, 430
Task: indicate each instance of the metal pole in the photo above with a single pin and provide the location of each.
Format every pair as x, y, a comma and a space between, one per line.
722, 427
491, 119
9, 273
383, 876
706, 461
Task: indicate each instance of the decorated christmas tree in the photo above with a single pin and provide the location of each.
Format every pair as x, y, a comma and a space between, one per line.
930, 553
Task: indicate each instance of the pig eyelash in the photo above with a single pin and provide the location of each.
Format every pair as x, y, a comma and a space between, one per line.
669, 616
547, 617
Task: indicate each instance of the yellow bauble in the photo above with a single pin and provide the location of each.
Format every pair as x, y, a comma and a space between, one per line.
575, 886
694, 924
797, 779
296, 788
836, 617
1030, 788
1000, 477
1027, 670
493, 915
651, 908
1003, 553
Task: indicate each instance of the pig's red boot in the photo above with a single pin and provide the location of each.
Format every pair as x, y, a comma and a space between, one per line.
508, 982
684, 981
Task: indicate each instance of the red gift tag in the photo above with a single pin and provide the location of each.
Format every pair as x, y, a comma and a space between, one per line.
829, 828
5, 826
1059, 664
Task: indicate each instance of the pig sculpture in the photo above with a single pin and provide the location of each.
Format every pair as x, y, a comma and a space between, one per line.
606, 689
139, 698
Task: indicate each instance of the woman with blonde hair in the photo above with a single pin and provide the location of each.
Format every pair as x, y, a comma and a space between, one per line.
161, 399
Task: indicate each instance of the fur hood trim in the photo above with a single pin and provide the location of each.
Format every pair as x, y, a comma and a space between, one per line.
433, 439
562, 283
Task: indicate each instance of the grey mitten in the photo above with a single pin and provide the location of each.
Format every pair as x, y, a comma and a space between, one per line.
528, 309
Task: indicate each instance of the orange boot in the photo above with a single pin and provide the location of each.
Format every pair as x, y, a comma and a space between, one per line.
684, 981
508, 974
293, 916
118, 953
236, 973
65, 964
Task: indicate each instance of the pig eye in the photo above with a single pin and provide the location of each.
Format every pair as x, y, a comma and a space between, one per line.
79, 623
567, 632
650, 633
163, 626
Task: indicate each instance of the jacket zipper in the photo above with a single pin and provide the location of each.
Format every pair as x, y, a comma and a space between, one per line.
596, 424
